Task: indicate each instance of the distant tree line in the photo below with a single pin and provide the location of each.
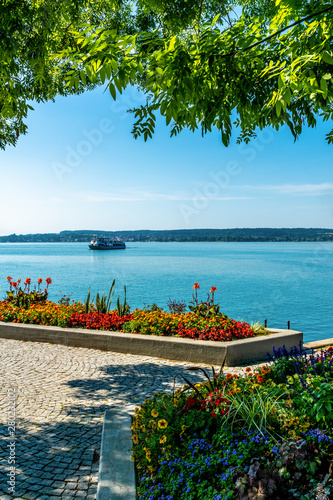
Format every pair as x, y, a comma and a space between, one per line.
181, 235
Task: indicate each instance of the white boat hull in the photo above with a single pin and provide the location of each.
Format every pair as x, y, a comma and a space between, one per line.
104, 243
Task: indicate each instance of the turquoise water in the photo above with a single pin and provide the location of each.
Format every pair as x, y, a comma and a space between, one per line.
255, 281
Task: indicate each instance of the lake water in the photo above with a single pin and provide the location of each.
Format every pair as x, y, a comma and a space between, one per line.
255, 281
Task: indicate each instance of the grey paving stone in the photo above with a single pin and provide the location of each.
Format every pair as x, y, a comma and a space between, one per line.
35, 487
57, 491
70, 486
58, 470
47, 475
45, 482
58, 484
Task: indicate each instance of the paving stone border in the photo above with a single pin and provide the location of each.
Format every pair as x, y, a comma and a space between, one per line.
232, 353
116, 478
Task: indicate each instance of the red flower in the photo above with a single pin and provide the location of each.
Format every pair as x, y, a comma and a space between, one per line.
213, 289
195, 286
28, 281
39, 281
48, 281
9, 278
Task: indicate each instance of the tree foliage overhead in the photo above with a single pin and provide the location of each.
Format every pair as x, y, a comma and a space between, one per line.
32, 34
205, 64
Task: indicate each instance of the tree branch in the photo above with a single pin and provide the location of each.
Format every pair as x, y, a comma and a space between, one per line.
310, 16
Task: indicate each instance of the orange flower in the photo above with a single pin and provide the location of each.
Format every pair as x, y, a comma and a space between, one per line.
213, 289
195, 286
260, 380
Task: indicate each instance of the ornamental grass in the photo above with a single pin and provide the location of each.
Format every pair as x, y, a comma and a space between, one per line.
241, 437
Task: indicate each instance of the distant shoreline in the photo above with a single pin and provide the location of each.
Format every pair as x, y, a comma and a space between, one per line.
181, 235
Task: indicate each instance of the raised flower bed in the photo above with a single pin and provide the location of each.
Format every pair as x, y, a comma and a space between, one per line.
202, 334
265, 435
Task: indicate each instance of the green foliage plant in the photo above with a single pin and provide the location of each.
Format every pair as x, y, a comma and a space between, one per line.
262, 408
24, 298
152, 308
259, 329
103, 302
87, 303
204, 309
65, 299
123, 309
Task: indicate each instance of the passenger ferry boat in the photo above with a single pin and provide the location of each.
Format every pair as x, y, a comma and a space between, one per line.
105, 243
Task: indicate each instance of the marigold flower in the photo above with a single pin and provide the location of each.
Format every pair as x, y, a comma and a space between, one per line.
195, 286
154, 413
162, 424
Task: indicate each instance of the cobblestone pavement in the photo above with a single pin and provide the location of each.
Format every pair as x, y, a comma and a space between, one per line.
60, 394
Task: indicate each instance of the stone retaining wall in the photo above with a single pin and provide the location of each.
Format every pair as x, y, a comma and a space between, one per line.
232, 353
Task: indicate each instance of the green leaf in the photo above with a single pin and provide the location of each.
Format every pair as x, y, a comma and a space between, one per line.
112, 89
312, 467
280, 82
118, 85
278, 108
323, 86
327, 58
83, 77
215, 19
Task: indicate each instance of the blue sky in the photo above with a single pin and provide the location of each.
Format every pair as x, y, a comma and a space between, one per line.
79, 168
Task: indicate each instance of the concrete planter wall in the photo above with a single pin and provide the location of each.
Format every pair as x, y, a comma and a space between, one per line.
173, 348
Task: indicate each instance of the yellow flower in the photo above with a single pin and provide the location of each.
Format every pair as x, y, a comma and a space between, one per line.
162, 424
143, 428
148, 455
163, 439
154, 413
152, 424
135, 439
184, 427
